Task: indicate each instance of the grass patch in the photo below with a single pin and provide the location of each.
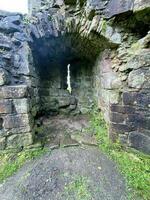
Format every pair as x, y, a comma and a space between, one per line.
78, 189
11, 162
135, 166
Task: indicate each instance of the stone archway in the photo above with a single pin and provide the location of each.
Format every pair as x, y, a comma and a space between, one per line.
119, 79
51, 55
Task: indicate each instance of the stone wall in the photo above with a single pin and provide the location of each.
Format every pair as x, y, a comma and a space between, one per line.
112, 36
130, 117
15, 84
123, 94
56, 99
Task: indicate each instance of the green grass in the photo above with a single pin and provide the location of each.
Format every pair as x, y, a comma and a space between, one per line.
11, 162
134, 165
78, 188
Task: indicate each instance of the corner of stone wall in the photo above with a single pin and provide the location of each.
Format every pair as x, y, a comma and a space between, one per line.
16, 117
130, 117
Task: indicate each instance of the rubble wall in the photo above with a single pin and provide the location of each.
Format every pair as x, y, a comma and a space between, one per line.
114, 34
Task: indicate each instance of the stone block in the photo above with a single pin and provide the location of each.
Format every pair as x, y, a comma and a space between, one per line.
136, 79
116, 7
136, 118
135, 98
16, 91
122, 128
64, 102
2, 143
5, 106
22, 60
129, 98
19, 141
109, 96
142, 59
23, 129
140, 141
16, 121
5, 42
139, 79
116, 84
14, 19
7, 55
140, 5
122, 109
111, 34
21, 105
117, 117
8, 27
107, 80
4, 77
72, 107
140, 120
73, 101
20, 36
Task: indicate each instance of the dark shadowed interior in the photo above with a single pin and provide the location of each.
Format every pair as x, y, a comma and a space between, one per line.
51, 57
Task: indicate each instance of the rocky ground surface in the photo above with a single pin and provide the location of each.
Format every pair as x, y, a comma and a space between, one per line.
64, 131
79, 173
74, 170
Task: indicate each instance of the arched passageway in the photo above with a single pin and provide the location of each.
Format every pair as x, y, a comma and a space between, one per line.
51, 57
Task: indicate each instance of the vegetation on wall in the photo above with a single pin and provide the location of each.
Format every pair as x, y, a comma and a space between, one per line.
134, 165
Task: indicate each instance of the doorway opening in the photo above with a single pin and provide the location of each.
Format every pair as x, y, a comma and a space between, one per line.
51, 57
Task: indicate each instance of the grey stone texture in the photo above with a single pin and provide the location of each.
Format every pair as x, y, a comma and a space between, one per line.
19, 141
110, 64
140, 141
5, 106
13, 91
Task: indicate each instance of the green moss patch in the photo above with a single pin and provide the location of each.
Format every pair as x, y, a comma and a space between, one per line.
78, 188
134, 165
11, 162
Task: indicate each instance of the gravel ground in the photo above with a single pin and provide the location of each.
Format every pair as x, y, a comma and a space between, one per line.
47, 177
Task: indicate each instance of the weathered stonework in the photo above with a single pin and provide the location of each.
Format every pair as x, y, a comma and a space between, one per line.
107, 45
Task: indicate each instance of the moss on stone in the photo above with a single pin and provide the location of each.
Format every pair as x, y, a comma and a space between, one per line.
103, 25
132, 164
143, 15
135, 48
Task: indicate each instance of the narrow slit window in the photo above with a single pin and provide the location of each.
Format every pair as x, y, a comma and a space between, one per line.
69, 79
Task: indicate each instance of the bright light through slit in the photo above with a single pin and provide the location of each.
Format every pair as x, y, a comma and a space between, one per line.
20, 6
69, 79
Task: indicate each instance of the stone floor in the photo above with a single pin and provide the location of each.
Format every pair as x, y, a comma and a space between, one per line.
63, 131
